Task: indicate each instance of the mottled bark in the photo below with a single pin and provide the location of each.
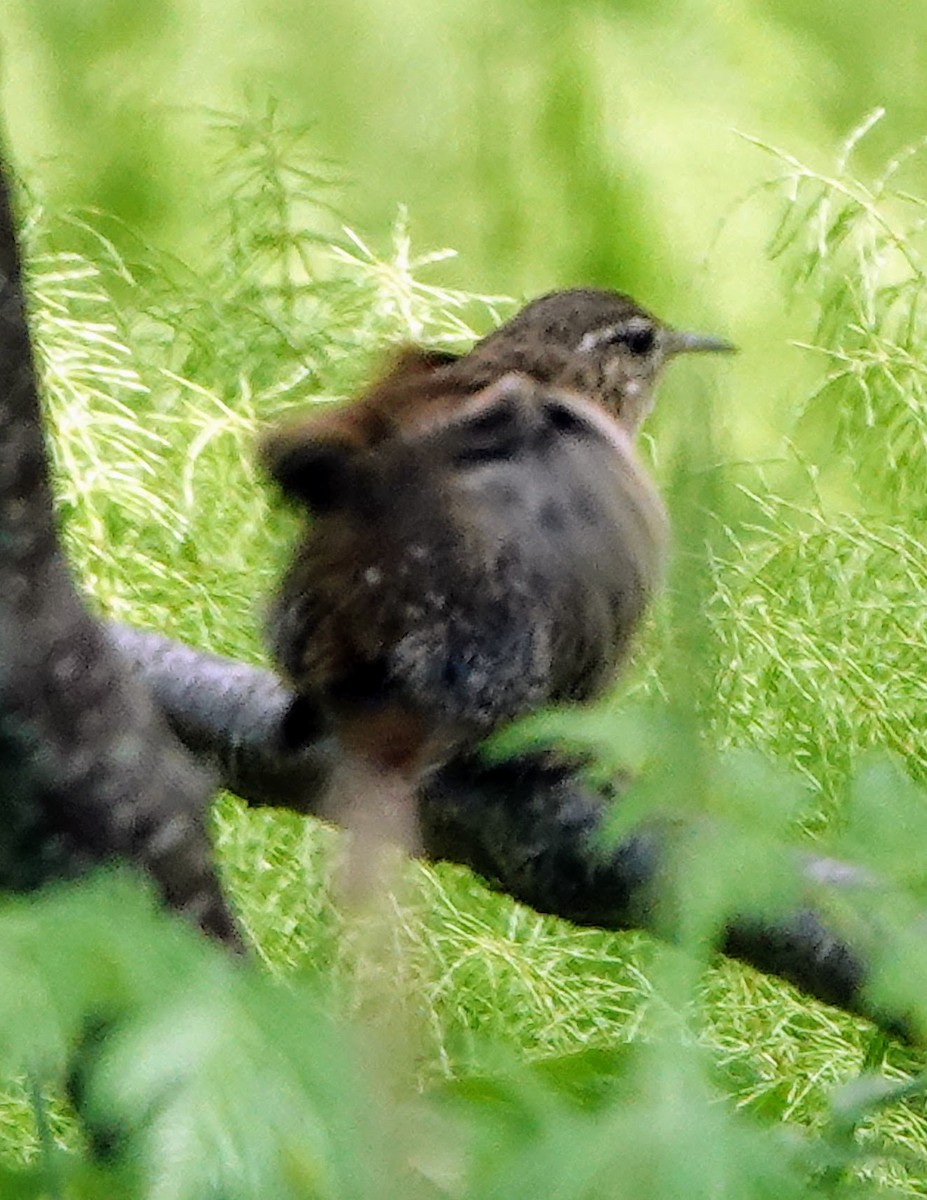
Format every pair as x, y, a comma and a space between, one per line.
90, 770
529, 827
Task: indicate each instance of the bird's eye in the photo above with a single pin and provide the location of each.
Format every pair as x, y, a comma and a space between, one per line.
639, 340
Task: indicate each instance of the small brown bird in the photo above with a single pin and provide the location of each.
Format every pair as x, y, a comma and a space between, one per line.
483, 540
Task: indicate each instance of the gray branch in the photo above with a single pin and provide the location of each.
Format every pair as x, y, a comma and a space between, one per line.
529, 827
90, 770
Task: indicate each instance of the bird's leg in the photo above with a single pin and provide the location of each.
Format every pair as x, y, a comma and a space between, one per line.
378, 808
373, 793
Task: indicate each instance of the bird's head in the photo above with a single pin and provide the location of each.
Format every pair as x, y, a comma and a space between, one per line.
598, 342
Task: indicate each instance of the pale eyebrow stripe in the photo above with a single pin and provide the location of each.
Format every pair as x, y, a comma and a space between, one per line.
594, 336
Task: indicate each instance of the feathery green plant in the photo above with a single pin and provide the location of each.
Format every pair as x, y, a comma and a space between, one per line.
818, 591
157, 379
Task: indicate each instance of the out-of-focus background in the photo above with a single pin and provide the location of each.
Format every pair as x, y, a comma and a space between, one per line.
189, 166
550, 142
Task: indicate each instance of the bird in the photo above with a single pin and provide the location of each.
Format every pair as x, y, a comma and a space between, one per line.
482, 540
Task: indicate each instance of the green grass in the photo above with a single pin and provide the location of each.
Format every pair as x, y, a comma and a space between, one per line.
811, 628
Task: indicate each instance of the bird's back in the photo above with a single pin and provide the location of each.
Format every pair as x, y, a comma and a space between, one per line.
498, 556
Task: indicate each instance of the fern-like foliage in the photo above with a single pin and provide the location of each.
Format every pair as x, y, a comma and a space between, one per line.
818, 595
364, 1064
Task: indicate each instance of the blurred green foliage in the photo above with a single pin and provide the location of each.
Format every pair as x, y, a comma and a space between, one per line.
783, 629
546, 140
550, 142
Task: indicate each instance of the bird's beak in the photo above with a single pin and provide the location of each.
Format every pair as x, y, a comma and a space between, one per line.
676, 341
